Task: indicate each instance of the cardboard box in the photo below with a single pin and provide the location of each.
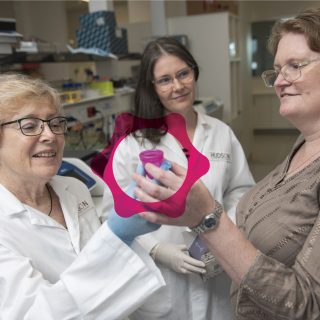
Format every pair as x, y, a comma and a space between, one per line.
101, 18
112, 40
209, 6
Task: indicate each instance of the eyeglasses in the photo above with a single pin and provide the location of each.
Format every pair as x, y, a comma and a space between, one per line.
290, 71
184, 76
35, 126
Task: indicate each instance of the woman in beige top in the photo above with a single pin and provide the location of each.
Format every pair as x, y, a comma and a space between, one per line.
273, 256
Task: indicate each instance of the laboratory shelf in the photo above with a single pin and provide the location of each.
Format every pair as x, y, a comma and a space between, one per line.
87, 101
53, 57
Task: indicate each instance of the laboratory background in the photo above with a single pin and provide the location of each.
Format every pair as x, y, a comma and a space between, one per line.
90, 51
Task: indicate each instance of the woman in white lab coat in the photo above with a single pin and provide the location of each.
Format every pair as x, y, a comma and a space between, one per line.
57, 259
167, 84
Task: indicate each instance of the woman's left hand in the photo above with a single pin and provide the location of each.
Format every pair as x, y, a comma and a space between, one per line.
199, 201
177, 258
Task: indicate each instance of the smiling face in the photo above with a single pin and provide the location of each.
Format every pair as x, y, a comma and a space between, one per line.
180, 97
30, 159
299, 100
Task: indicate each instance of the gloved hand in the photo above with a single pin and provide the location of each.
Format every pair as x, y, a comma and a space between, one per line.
129, 228
176, 257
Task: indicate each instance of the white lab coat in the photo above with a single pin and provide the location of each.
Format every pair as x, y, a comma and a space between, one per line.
48, 272
187, 296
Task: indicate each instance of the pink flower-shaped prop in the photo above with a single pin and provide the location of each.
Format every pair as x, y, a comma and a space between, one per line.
198, 165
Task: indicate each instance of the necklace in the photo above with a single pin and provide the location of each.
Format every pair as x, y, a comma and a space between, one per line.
50, 200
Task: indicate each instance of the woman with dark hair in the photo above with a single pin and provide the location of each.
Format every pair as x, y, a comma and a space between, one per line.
146, 94
167, 84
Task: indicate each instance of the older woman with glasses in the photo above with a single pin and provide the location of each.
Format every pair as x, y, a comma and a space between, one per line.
273, 256
196, 289
48, 267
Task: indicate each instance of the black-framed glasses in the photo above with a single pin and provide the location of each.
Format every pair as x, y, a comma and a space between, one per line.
30, 126
290, 71
184, 76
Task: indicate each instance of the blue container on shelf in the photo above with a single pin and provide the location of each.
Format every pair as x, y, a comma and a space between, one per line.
98, 18
113, 40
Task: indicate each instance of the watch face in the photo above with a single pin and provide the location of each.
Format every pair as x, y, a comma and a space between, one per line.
210, 221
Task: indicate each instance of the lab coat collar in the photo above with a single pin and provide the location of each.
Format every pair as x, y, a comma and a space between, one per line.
199, 138
172, 144
202, 120
201, 132
13, 205
68, 202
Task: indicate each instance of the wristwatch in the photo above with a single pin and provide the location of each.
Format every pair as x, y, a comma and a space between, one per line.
210, 221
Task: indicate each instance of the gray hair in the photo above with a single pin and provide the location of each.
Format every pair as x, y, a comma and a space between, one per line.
16, 89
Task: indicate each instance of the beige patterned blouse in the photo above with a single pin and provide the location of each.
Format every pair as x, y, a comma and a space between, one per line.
280, 216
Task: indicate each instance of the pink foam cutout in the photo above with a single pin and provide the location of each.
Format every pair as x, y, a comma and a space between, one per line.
198, 165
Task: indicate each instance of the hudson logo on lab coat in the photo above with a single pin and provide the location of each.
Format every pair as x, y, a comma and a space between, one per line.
219, 156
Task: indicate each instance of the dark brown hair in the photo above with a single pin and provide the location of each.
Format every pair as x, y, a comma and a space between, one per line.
147, 104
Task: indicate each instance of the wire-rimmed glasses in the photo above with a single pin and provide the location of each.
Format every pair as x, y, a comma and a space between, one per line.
31, 126
184, 76
290, 71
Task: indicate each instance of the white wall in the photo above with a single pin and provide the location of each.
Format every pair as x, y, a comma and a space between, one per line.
45, 21
208, 37
138, 11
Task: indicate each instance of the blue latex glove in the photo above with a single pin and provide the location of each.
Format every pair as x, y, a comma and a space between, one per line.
129, 228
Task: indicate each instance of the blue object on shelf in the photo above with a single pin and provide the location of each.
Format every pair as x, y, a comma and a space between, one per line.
70, 170
98, 18
109, 39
